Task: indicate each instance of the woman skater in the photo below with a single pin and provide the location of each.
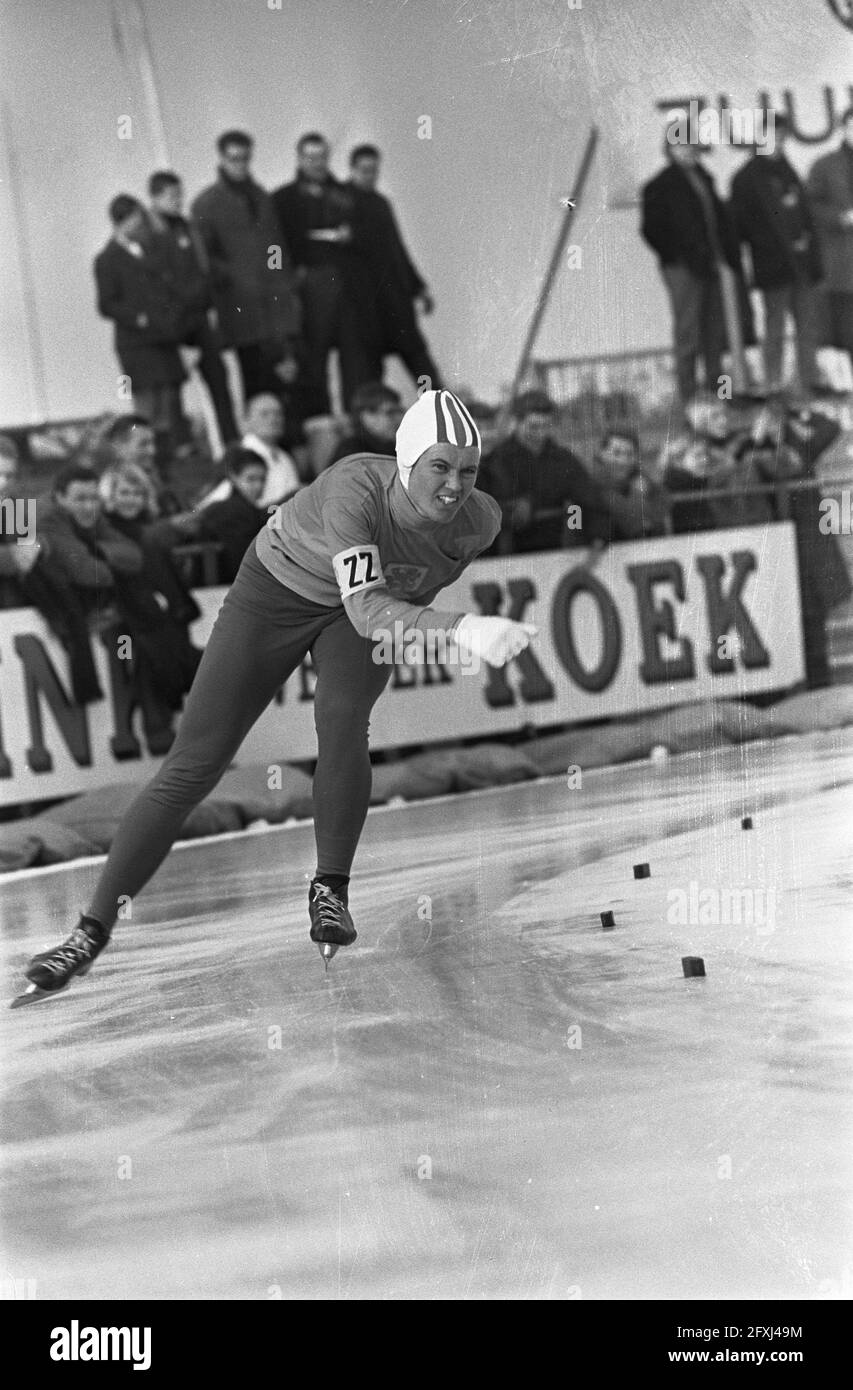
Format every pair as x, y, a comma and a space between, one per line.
359, 554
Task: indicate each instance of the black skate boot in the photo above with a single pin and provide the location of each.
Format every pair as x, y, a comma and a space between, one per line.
331, 924
52, 971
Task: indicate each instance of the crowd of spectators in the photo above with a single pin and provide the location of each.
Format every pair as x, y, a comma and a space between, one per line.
790, 241
110, 558
281, 278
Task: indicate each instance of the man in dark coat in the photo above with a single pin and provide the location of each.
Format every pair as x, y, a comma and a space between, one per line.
325, 240
183, 249
773, 219
689, 229
399, 285
137, 291
830, 188
253, 283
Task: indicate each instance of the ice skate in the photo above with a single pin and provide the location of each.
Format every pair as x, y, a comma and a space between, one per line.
331, 924
51, 972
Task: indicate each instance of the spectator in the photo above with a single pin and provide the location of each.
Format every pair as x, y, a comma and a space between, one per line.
136, 291
182, 247
486, 418
773, 220
398, 285
130, 439
830, 187
688, 228
156, 605
318, 220
376, 412
824, 578
264, 430
701, 460
81, 545
253, 283
16, 558
234, 522
130, 506
783, 448
74, 584
620, 474
536, 480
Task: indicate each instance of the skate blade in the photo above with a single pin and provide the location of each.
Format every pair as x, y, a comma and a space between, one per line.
33, 994
327, 950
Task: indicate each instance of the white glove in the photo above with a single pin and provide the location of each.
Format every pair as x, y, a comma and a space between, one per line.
495, 640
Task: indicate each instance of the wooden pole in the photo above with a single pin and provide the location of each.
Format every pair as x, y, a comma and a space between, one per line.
33, 349
554, 266
734, 329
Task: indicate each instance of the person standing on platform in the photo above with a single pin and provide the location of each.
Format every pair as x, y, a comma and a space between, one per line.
137, 292
318, 218
689, 229
348, 563
774, 221
253, 283
183, 247
830, 189
399, 287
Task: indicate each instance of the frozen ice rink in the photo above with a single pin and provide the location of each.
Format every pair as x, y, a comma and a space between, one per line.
489, 1096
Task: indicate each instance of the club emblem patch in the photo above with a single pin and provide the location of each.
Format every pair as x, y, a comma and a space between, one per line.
405, 579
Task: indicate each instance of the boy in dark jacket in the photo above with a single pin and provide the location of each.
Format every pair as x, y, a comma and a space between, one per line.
235, 522
137, 291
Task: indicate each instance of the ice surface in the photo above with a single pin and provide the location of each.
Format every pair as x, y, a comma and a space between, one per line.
488, 1096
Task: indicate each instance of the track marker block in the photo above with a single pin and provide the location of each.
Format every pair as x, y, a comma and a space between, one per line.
608, 921
642, 871
692, 966
746, 823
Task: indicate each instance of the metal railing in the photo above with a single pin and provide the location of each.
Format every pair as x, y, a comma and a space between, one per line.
199, 563
780, 491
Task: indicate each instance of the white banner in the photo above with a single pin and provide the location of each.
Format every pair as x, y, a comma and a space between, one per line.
636, 627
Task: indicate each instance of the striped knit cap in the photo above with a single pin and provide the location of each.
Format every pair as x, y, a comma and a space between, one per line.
437, 417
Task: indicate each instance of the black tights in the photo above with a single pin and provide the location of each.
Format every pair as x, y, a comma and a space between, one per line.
261, 635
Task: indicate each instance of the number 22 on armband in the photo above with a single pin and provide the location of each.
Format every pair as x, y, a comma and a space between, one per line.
357, 568
364, 561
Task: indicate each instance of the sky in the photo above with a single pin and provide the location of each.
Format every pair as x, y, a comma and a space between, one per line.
510, 87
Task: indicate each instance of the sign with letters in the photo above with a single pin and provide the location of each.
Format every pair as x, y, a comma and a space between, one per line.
636, 627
